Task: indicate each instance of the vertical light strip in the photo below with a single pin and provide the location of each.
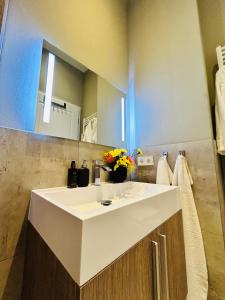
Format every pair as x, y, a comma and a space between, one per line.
49, 86
123, 118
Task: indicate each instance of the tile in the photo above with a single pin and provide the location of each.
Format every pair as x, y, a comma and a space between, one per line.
91, 152
3, 149
208, 195
209, 217
219, 162
30, 161
214, 247
16, 142
212, 295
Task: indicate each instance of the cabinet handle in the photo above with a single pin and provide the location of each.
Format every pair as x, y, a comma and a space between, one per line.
156, 271
164, 265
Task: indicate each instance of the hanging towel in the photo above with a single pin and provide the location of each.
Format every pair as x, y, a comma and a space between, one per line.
220, 110
94, 130
90, 132
164, 174
197, 276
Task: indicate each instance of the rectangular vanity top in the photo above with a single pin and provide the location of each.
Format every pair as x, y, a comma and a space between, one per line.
85, 202
87, 236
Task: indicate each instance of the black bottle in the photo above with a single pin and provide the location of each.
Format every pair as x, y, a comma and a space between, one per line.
72, 176
83, 175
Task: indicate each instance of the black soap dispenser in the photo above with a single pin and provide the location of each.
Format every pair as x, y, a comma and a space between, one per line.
72, 176
83, 175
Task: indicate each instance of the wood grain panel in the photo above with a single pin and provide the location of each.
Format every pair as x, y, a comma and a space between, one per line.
173, 229
44, 277
129, 277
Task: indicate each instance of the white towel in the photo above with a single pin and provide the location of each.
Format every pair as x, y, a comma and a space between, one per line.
197, 276
90, 132
220, 110
164, 174
94, 130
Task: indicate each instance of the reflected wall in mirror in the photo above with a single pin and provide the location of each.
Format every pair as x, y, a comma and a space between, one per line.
76, 103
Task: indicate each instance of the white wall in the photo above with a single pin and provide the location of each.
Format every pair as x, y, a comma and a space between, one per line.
90, 94
94, 32
168, 72
68, 81
109, 115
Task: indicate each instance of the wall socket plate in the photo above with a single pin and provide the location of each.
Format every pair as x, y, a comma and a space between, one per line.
145, 160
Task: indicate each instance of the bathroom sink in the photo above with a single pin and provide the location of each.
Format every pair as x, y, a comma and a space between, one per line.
85, 235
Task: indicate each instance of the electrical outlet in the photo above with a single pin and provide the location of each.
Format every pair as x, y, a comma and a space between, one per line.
145, 160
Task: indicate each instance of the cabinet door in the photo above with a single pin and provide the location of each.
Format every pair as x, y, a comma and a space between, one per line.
156, 287
172, 234
128, 278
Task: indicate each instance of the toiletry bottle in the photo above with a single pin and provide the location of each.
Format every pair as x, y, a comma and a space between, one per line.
83, 175
72, 176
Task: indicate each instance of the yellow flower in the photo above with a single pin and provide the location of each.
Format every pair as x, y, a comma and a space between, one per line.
139, 151
115, 167
120, 158
123, 150
115, 152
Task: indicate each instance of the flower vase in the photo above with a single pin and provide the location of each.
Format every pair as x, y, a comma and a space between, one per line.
119, 175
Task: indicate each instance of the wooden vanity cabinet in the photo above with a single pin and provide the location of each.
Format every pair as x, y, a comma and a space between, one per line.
153, 269
172, 229
129, 277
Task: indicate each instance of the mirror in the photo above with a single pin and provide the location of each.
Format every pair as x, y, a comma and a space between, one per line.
54, 94
75, 102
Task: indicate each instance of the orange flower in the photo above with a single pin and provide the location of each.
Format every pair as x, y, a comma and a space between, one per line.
131, 160
109, 158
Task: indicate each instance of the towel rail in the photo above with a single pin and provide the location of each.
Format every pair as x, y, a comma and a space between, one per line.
220, 53
89, 118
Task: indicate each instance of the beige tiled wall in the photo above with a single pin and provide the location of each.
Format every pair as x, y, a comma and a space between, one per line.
208, 198
29, 161
92, 152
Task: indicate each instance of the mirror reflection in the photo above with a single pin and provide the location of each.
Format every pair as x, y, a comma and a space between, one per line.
47, 91
74, 102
